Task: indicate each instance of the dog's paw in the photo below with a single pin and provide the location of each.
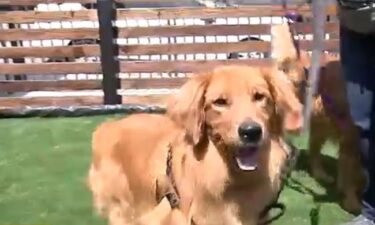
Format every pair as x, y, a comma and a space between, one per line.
351, 204
320, 174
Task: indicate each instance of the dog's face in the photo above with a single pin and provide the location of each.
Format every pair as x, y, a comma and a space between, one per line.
239, 109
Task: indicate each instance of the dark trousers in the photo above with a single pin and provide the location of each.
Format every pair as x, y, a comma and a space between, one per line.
358, 62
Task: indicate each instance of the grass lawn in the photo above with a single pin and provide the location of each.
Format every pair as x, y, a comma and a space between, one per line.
43, 163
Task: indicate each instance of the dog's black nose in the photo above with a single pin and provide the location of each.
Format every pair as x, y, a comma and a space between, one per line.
250, 132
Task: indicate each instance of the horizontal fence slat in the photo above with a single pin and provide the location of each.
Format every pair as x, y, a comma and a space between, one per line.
50, 68
18, 102
152, 83
185, 66
60, 85
167, 31
153, 2
58, 51
42, 16
194, 48
208, 13
193, 30
332, 45
163, 13
36, 2
125, 66
212, 30
307, 28
94, 50
75, 85
248, 46
46, 34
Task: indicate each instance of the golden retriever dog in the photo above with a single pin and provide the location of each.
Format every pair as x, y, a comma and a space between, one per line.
330, 116
220, 140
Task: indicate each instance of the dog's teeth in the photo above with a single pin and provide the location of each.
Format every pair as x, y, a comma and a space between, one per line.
245, 167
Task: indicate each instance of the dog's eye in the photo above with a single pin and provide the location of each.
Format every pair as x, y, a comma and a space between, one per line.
258, 96
221, 102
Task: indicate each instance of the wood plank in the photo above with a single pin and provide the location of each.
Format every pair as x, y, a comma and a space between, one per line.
61, 85
159, 99
75, 85
126, 66
41, 16
56, 51
212, 30
185, 66
36, 2
207, 13
194, 48
94, 50
329, 45
79, 101
33, 2
152, 83
306, 28
17, 102
248, 46
50, 68
168, 31
152, 1
162, 13
43, 34
193, 30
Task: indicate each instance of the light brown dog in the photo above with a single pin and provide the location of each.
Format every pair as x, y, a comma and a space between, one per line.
330, 116
223, 131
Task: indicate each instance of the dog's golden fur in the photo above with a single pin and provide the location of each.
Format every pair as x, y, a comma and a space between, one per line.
201, 130
330, 117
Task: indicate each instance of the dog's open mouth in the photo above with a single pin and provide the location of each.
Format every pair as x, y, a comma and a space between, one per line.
246, 158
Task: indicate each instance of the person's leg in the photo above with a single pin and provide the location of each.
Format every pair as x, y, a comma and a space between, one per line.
368, 142
358, 63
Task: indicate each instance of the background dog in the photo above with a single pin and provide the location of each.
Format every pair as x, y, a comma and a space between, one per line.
330, 116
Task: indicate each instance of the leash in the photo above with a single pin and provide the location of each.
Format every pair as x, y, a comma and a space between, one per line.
318, 23
293, 155
292, 18
318, 32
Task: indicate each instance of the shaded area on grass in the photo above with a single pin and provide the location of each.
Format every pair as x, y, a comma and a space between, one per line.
330, 165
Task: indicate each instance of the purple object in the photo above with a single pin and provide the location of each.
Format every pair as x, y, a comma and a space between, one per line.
294, 17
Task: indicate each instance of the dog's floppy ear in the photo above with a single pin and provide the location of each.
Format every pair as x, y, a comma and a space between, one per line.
287, 104
186, 108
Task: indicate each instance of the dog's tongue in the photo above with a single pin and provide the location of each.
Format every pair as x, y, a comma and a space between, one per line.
246, 159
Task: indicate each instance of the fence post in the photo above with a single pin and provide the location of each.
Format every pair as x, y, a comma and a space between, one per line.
109, 51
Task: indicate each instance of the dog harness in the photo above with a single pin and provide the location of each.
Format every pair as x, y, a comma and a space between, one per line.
171, 191
166, 184
172, 194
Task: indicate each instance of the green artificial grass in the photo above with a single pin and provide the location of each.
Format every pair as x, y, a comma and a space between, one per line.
43, 164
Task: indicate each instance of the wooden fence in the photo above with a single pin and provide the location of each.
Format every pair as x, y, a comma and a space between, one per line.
124, 62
